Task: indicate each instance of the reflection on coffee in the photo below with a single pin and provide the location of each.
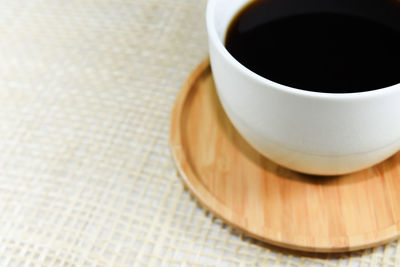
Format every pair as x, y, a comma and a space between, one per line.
332, 46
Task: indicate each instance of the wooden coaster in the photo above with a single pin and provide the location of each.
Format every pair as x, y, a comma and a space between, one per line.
269, 202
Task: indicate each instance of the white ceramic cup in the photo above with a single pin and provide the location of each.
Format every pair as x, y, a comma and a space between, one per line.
310, 132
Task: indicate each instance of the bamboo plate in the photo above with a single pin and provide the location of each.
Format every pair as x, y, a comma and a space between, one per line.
269, 202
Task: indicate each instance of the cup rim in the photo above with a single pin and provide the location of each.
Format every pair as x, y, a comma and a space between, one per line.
214, 38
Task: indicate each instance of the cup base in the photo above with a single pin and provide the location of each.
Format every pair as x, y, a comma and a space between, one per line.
267, 201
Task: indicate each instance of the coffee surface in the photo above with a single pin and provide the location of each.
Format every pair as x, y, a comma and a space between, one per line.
332, 46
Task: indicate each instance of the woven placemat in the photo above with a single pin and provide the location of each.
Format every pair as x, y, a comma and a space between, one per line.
86, 175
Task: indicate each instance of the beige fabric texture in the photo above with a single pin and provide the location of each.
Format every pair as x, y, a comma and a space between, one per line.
86, 175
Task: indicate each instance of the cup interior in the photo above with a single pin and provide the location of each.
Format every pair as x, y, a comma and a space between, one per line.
220, 13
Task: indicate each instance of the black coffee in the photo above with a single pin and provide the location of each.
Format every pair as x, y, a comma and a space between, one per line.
333, 46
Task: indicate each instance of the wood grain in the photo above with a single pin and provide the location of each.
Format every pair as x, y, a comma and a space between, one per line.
269, 202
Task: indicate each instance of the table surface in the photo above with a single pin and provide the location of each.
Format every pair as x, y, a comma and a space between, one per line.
86, 175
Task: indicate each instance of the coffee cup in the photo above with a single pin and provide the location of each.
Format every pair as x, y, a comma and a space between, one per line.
310, 132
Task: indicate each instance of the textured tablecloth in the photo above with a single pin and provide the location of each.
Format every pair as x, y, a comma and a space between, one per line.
86, 175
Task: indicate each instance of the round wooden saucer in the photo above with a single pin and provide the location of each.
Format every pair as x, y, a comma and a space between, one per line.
269, 202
